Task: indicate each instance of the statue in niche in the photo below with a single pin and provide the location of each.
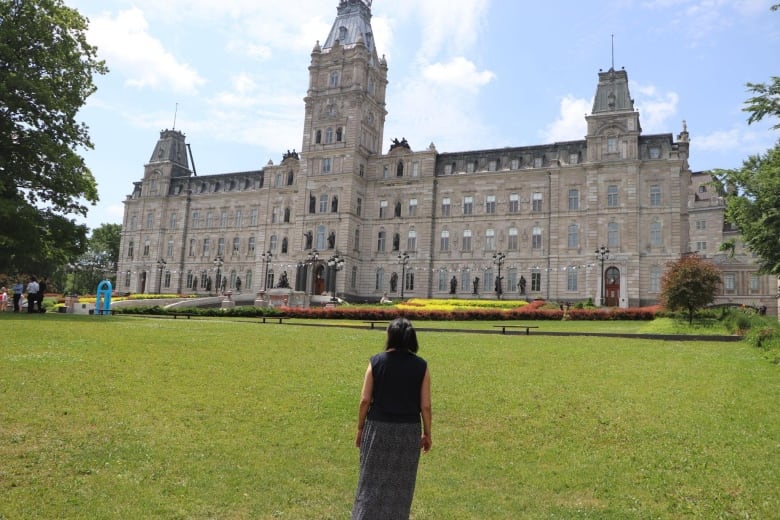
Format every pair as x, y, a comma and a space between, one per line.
476, 285
331, 240
309, 237
334, 205
396, 242
284, 283
522, 284
393, 282
453, 285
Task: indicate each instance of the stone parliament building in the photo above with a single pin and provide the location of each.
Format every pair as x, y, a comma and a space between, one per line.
518, 222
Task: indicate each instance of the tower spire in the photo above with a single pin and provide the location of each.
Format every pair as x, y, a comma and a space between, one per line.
613, 52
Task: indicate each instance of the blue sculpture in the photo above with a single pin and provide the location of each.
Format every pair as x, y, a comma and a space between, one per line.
103, 298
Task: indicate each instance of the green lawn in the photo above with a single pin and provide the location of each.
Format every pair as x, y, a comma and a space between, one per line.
127, 417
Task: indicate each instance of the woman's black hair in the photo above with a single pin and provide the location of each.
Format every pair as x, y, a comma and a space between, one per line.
401, 336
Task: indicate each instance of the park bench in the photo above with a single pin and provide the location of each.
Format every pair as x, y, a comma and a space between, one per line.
279, 319
527, 328
373, 322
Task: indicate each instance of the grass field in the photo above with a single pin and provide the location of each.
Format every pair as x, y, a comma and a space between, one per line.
148, 418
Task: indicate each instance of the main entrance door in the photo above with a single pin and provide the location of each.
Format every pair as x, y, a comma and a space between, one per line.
612, 287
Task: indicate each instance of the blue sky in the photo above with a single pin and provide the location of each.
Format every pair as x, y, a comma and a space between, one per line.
464, 75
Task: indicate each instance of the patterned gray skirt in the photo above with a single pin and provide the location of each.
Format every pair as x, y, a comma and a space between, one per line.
389, 454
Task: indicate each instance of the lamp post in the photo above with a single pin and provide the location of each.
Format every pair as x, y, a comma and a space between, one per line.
403, 259
336, 264
602, 254
218, 264
311, 259
498, 259
266, 260
160, 265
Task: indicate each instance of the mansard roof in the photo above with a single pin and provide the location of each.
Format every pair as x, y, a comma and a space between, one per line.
612, 93
352, 25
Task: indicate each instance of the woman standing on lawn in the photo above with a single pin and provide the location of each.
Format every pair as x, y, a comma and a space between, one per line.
396, 393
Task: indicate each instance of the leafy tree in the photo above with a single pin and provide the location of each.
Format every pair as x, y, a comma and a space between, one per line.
97, 263
689, 284
106, 240
753, 195
46, 75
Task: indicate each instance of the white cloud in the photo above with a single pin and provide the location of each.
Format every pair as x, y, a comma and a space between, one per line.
570, 125
458, 72
655, 107
128, 48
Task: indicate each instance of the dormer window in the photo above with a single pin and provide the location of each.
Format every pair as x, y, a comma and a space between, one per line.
318, 137
612, 143
342, 33
655, 152
334, 79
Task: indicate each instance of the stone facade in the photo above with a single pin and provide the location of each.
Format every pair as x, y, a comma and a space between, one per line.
536, 215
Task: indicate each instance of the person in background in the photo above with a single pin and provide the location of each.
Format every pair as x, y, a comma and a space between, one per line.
32, 294
3, 299
42, 288
18, 290
396, 395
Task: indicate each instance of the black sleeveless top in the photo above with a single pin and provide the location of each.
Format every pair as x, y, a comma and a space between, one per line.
398, 378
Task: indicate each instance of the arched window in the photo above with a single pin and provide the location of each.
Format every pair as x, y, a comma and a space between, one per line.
318, 137
248, 280
380, 279
284, 245
399, 169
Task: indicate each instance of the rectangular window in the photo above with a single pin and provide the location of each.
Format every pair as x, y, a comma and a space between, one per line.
656, 236
382, 208
470, 167
613, 237
755, 282
492, 165
253, 217
729, 282
275, 215
490, 204
511, 280
251, 245
515, 164
447, 169
536, 238
537, 201
514, 203
536, 281
467, 240
169, 250
445, 241
149, 220
326, 164
612, 143
468, 205
612, 196
223, 219
206, 247
443, 285
209, 219
571, 280
701, 245
221, 247
655, 195
238, 221
655, 279
324, 203
415, 169
385, 171
411, 241
173, 220
445, 207
512, 241
538, 162
412, 207
574, 199
490, 240
701, 224
236, 245
573, 236
359, 207
380, 242
574, 158
192, 247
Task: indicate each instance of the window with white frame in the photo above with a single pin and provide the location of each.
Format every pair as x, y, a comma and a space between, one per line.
488, 281
415, 169
223, 219
466, 240
236, 245
326, 165
536, 281
537, 200
515, 164
490, 204
329, 135
147, 246
253, 217
275, 215
380, 241
470, 167
514, 203
490, 240
320, 244
251, 245
536, 238
206, 247
238, 222
412, 207
411, 240
444, 244
465, 280
443, 285
655, 279
701, 245
445, 207
169, 250
701, 224
573, 236
447, 169
511, 279
380, 279
613, 236
382, 209
468, 205
209, 220
755, 282
513, 240
571, 279
574, 199
273, 243
149, 220
221, 247
324, 203
612, 145
612, 196
173, 220
655, 195
334, 79
656, 234
729, 282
